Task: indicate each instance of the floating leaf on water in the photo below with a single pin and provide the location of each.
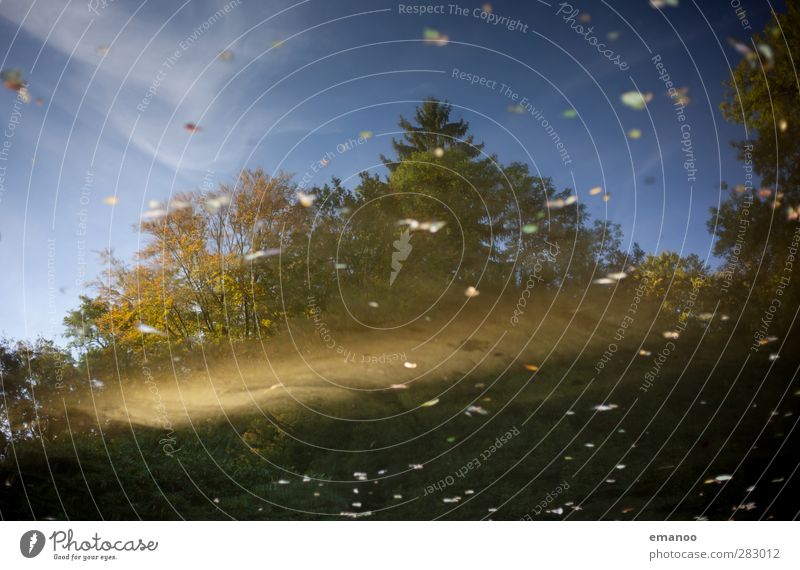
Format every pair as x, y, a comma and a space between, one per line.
663, 3
261, 253
436, 226
434, 37
215, 203
179, 204
410, 222
147, 329
12, 79
681, 96
306, 200
471, 292
355, 515
766, 51
636, 99
743, 49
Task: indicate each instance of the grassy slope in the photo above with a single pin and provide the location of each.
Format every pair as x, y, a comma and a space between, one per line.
706, 422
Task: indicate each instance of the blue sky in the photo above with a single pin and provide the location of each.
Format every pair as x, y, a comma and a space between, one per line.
343, 67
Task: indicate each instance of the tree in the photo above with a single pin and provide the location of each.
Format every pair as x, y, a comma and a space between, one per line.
755, 227
674, 281
433, 130
208, 270
31, 373
764, 94
80, 326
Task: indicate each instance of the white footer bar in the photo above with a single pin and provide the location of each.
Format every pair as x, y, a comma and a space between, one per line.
396, 545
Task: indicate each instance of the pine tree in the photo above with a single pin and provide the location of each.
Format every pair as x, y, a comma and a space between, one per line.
433, 129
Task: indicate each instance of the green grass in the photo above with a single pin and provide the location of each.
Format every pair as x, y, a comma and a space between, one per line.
707, 415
